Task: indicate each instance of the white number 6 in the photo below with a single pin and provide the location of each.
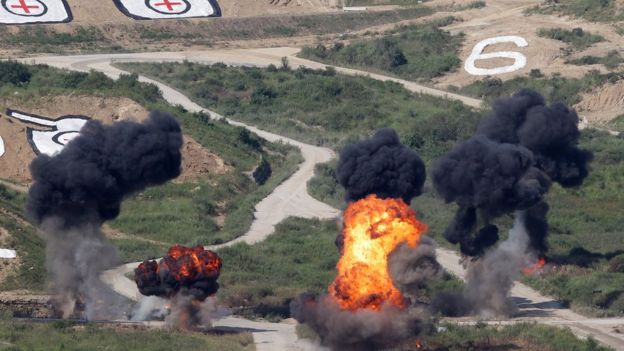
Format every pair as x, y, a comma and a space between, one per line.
520, 60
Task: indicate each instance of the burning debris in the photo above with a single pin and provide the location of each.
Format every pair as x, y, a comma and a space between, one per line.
364, 309
186, 276
81, 187
507, 167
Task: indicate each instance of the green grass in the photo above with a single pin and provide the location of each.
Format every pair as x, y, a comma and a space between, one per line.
617, 123
18, 336
553, 88
525, 336
577, 38
417, 52
300, 256
30, 273
39, 38
611, 61
178, 213
185, 213
319, 107
592, 10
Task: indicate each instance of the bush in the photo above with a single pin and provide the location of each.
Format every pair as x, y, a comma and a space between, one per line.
14, 73
577, 37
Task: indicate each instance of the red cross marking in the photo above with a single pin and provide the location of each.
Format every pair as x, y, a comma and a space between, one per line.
26, 8
167, 3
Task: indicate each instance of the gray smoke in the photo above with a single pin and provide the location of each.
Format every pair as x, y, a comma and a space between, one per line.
78, 189
490, 279
411, 269
358, 330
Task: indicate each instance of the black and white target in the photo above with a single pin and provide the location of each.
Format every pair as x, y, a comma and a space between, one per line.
160, 9
34, 11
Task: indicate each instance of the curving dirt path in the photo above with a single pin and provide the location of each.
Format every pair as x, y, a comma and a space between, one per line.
291, 198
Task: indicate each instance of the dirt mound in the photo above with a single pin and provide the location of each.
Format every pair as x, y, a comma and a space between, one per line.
197, 161
602, 104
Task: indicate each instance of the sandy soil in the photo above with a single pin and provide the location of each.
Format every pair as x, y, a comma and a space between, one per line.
506, 17
197, 162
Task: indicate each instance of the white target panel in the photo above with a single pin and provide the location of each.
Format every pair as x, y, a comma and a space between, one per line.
160, 9
34, 11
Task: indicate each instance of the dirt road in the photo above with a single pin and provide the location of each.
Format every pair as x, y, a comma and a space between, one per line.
291, 198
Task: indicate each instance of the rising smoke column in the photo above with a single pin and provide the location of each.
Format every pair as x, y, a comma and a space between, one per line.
507, 167
76, 190
368, 306
381, 166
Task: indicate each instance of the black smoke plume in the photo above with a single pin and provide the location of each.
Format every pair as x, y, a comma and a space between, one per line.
508, 165
382, 166
78, 189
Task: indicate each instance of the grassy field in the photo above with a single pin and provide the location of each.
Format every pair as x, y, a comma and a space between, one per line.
211, 210
417, 52
17, 336
516, 337
30, 274
554, 87
611, 61
591, 10
577, 38
319, 106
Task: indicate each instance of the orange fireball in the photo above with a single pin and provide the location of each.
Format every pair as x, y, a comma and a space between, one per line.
535, 267
373, 228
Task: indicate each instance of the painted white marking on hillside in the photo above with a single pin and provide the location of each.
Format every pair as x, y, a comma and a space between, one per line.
6, 253
34, 11
49, 142
159, 9
477, 54
1, 146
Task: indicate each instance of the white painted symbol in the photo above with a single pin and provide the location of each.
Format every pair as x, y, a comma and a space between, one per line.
52, 141
477, 54
1, 146
6, 253
169, 7
34, 11
158, 9
25, 7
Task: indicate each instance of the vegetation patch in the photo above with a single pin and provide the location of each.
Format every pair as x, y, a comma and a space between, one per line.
216, 209
67, 336
319, 106
417, 52
592, 10
553, 88
611, 61
577, 38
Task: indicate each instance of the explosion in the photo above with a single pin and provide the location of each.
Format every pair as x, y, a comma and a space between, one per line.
373, 228
383, 255
193, 271
187, 276
534, 267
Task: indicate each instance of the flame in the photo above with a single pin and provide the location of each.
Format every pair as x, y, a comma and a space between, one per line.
535, 267
183, 266
373, 228
418, 344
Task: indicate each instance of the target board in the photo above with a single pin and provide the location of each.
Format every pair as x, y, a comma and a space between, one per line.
6, 253
34, 11
53, 134
159, 9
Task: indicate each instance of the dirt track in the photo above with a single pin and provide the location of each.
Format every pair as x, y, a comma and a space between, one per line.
291, 199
